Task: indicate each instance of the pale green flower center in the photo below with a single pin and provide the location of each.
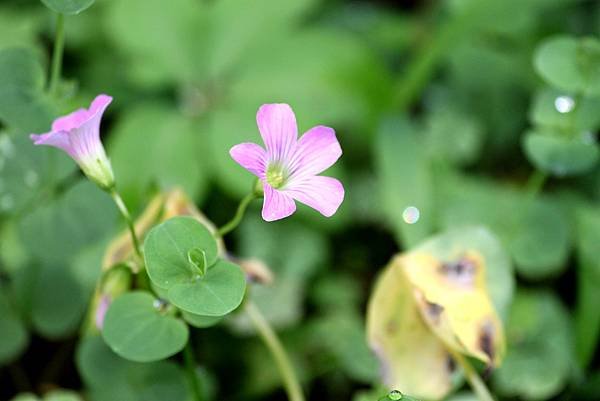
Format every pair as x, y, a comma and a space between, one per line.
275, 176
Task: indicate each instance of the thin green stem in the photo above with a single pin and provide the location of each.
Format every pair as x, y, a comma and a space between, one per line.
269, 337
477, 385
57, 54
190, 367
125, 213
239, 214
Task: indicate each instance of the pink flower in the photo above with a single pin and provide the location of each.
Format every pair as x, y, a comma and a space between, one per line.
289, 166
78, 134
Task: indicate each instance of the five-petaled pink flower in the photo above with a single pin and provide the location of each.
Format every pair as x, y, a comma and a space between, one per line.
78, 134
288, 168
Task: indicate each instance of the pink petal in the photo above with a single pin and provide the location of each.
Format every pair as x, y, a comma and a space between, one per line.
82, 141
277, 204
324, 194
81, 116
100, 103
59, 139
316, 151
85, 138
250, 156
70, 121
277, 126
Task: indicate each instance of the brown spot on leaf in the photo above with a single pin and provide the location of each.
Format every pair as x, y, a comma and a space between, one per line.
461, 272
486, 340
450, 364
434, 311
391, 327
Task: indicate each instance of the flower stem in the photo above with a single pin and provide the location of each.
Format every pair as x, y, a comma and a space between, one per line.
267, 334
125, 213
190, 367
478, 386
239, 214
57, 54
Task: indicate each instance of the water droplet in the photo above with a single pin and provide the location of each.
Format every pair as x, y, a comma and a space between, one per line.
31, 178
395, 395
411, 215
159, 304
564, 104
6, 202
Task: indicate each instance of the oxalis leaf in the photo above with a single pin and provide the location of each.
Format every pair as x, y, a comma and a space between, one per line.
68, 7
181, 257
559, 155
108, 377
570, 63
137, 329
170, 245
219, 292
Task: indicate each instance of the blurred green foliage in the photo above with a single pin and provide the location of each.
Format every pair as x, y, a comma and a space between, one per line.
476, 112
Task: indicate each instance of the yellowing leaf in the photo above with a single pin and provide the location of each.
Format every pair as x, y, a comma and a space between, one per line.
453, 299
412, 358
433, 302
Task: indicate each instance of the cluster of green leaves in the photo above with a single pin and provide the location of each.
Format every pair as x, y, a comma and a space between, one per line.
182, 263
446, 108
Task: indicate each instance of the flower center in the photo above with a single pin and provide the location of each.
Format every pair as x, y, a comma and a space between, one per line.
275, 176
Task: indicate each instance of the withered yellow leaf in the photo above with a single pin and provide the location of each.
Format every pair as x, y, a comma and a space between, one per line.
412, 358
435, 299
453, 299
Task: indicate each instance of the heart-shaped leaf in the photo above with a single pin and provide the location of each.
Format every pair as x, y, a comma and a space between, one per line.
108, 377
136, 329
201, 321
570, 64
561, 155
167, 251
217, 293
68, 7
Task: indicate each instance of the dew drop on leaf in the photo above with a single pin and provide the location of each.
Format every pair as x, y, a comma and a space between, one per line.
159, 304
564, 104
395, 395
